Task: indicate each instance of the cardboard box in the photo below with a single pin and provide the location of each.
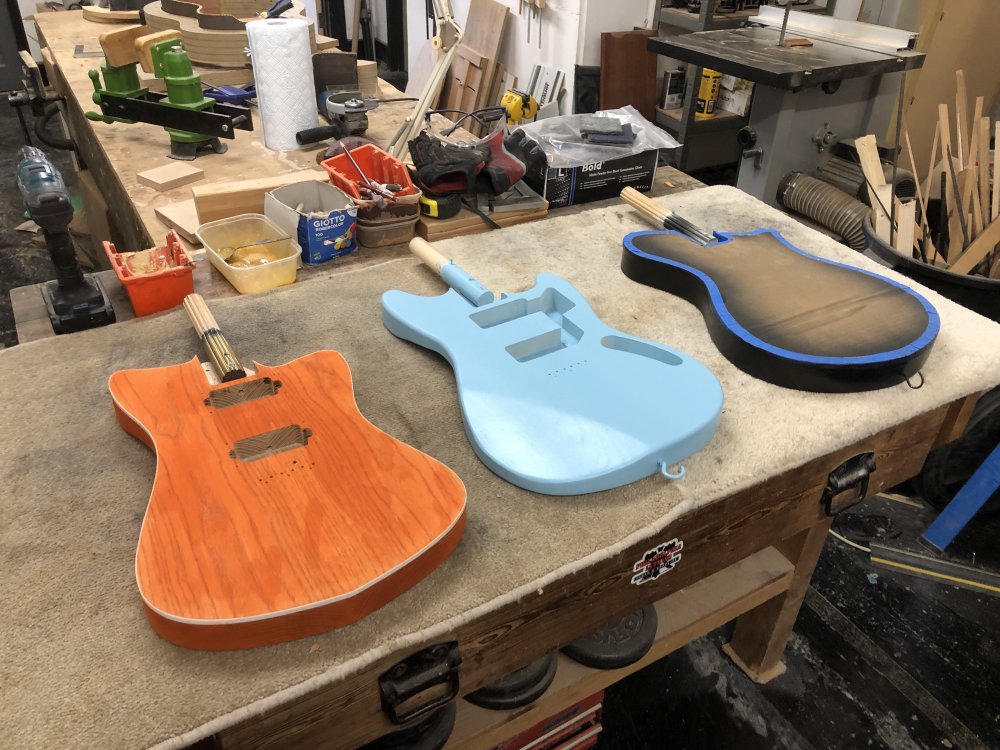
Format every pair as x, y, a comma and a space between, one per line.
672, 94
567, 186
320, 216
737, 102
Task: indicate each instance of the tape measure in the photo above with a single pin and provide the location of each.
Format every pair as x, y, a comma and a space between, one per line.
519, 105
440, 206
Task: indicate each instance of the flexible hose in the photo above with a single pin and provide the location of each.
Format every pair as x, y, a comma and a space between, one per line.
847, 176
50, 140
826, 205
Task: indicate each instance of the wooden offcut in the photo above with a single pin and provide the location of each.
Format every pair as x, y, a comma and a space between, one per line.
144, 45
471, 79
467, 222
220, 200
171, 175
628, 72
978, 249
119, 45
182, 217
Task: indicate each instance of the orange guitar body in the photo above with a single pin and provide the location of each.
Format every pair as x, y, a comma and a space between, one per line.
278, 511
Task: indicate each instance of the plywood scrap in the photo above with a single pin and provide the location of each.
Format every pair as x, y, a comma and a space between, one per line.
171, 175
181, 216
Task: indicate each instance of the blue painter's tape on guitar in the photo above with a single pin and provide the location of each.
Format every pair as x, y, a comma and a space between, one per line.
553, 399
789, 317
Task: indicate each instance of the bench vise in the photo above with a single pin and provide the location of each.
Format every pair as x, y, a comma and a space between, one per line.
193, 120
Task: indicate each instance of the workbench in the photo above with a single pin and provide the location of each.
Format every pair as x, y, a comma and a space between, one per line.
81, 667
115, 153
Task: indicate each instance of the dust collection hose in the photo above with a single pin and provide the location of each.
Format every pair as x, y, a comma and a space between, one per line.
826, 205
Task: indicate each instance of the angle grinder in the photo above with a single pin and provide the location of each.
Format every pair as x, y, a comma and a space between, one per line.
347, 113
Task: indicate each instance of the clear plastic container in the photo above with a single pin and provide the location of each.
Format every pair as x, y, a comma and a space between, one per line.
250, 229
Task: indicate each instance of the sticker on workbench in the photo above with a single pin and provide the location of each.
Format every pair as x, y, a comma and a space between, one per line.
655, 562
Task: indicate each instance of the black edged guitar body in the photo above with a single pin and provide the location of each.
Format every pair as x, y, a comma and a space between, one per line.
789, 317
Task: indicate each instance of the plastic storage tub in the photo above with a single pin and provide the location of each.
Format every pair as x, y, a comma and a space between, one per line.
379, 222
250, 229
156, 279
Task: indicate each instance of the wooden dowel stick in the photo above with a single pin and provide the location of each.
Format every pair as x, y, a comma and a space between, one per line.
983, 164
972, 155
995, 201
224, 360
646, 206
931, 173
920, 193
946, 149
961, 118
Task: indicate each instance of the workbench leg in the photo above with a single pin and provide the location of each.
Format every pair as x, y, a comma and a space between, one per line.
760, 635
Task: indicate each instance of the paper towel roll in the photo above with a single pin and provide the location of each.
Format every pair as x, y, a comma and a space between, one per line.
281, 54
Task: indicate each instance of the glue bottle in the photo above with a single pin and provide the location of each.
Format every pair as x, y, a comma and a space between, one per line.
708, 93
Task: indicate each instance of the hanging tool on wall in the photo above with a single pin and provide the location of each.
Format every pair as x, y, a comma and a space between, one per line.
75, 301
193, 120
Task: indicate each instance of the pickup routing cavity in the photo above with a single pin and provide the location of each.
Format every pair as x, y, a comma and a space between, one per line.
269, 443
242, 392
539, 324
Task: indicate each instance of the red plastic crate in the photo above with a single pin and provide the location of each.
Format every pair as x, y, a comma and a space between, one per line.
377, 166
156, 290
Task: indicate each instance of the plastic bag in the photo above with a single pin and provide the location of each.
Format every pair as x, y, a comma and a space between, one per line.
560, 139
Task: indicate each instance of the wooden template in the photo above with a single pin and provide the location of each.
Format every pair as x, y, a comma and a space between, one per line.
215, 46
106, 15
170, 175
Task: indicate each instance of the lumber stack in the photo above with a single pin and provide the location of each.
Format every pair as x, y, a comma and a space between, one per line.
959, 173
476, 78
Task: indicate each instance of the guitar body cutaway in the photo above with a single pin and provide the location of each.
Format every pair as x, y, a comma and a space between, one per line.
278, 511
789, 317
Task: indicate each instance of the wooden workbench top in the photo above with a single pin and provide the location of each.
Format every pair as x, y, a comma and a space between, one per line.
119, 151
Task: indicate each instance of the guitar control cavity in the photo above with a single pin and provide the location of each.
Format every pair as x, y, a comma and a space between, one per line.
269, 443
242, 392
538, 325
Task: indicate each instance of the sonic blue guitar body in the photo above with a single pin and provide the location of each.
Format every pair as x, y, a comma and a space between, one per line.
553, 399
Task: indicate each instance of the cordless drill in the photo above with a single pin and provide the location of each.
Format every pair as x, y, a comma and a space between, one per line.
75, 300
